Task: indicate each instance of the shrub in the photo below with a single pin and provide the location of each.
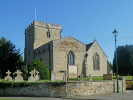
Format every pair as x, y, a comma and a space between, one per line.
24, 71
40, 67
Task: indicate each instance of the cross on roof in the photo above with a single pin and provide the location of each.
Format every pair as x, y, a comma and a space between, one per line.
8, 72
95, 38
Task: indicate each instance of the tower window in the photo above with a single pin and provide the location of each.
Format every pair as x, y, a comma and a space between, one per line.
29, 35
48, 34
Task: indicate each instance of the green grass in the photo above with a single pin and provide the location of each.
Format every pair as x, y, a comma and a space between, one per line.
74, 79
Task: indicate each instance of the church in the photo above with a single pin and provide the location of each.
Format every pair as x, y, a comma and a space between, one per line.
45, 42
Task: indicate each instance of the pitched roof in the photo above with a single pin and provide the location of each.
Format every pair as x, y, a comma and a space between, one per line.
88, 46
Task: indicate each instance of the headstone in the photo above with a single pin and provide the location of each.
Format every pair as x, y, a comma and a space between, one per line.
52, 75
132, 78
8, 77
111, 72
31, 78
37, 76
107, 77
90, 78
18, 78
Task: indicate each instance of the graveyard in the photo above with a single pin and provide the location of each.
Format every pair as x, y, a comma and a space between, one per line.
83, 87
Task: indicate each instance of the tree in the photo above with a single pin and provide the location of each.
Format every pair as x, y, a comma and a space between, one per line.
10, 57
40, 67
111, 66
124, 60
24, 71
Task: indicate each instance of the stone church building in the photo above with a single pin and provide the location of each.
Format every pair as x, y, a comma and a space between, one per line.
45, 42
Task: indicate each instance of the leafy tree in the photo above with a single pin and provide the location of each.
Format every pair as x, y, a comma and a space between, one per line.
9, 57
40, 67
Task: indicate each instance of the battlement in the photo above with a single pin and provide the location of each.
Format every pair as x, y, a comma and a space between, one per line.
32, 24
42, 24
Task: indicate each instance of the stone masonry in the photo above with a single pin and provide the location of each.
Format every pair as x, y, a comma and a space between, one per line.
74, 89
53, 50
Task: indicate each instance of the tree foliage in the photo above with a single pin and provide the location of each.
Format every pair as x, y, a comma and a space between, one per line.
40, 67
111, 66
10, 57
124, 60
24, 71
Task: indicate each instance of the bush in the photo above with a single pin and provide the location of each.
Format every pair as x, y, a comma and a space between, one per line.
24, 71
40, 67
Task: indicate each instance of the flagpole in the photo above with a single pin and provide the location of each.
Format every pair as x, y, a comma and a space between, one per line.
35, 13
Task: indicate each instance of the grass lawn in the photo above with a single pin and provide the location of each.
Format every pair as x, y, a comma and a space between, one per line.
85, 78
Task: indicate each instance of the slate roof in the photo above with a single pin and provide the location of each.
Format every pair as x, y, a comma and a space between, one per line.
88, 46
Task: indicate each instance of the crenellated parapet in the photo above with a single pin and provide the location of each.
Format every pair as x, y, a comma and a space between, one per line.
42, 24
47, 25
32, 24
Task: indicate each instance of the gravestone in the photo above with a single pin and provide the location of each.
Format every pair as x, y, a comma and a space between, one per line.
52, 75
18, 78
31, 78
111, 72
36, 76
8, 77
107, 77
90, 78
132, 78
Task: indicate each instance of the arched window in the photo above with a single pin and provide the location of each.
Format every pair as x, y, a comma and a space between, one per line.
70, 58
48, 34
96, 64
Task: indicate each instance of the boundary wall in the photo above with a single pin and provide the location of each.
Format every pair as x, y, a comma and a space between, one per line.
74, 89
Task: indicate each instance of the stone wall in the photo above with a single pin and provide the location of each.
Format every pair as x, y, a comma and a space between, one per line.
73, 89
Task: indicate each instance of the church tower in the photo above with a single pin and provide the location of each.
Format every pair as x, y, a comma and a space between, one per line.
38, 34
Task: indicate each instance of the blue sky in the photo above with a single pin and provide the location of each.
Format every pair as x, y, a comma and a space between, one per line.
81, 19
